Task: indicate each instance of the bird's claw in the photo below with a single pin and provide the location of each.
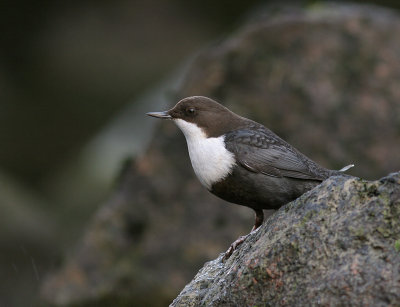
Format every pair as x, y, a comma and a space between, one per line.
234, 246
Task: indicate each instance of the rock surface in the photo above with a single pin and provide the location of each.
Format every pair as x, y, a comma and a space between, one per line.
323, 78
337, 245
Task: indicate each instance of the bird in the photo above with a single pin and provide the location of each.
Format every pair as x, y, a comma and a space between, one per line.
242, 161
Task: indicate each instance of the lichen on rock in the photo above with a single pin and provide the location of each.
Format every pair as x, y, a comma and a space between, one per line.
335, 245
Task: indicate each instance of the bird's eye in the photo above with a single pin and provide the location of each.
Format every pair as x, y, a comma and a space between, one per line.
191, 111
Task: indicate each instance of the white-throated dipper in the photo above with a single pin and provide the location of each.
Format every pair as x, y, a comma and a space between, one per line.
242, 161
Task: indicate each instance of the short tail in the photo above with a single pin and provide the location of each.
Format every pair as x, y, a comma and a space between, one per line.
346, 168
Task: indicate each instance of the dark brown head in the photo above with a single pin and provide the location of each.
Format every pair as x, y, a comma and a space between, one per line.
213, 118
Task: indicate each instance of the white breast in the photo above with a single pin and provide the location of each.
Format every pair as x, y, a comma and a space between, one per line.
210, 159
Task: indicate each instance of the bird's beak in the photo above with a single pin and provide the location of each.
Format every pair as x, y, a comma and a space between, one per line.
162, 115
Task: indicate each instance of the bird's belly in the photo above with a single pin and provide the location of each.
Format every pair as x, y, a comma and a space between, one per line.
260, 191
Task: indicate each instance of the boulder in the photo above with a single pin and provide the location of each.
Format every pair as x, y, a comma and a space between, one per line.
337, 245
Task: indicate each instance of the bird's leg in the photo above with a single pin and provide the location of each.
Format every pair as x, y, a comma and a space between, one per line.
259, 218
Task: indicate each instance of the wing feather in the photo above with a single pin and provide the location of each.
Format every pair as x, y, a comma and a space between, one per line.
266, 153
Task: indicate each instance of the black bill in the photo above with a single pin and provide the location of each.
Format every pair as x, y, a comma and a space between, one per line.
163, 115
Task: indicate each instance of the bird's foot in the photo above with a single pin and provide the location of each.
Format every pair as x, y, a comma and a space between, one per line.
234, 246
258, 221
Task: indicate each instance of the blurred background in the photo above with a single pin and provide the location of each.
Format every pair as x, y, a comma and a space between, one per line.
76, 79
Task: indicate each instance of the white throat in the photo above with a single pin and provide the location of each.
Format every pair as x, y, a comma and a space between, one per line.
210, 159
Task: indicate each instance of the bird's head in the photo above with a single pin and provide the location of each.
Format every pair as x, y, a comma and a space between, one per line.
211, 117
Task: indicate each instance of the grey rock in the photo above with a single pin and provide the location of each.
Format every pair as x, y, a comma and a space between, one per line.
337, 245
